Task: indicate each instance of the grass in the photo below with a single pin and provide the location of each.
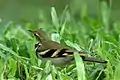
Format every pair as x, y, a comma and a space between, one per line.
98, 37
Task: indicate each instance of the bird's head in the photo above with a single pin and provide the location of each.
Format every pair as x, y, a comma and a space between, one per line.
40, 34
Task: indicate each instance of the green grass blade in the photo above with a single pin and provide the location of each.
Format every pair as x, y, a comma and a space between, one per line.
79, 66
54, 17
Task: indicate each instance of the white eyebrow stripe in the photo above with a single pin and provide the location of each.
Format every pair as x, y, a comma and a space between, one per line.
37, 34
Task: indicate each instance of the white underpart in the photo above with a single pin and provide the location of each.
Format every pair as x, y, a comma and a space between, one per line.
60, 61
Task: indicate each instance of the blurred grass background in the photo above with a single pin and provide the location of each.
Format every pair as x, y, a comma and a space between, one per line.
92, 26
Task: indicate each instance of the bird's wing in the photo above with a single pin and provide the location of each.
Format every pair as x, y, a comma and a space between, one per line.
54, 49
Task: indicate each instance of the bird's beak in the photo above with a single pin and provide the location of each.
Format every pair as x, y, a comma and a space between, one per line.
31, 31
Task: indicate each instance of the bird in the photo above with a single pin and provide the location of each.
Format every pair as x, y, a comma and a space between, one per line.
58, 54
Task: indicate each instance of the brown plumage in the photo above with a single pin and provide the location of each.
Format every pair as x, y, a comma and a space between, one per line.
56, 52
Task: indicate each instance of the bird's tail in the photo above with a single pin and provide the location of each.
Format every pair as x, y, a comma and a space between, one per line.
94, 60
